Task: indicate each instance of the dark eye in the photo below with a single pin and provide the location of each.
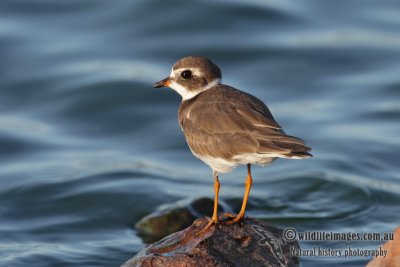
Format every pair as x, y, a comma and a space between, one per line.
186, 74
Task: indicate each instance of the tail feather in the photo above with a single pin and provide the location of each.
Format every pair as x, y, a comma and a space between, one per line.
285, 145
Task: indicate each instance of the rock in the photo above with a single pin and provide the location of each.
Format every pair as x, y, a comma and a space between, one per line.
250, 243
392, 258
173, 217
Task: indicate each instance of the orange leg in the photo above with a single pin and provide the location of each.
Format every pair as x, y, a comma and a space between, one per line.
248, 182
214, 218
228, 214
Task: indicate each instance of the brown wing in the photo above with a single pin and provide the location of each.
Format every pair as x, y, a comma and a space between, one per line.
224, 122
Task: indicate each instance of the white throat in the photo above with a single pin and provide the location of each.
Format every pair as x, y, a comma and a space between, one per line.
187, 94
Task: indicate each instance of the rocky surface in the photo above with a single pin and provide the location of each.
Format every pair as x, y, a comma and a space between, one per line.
392, 258
250, 243
173, 217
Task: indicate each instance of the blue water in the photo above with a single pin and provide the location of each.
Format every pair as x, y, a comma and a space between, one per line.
88, 147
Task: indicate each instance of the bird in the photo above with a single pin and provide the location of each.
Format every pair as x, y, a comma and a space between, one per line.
225, 127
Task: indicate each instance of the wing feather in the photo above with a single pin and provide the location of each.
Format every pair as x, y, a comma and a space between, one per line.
230, 123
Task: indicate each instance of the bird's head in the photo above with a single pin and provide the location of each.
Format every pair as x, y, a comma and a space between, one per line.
191, 76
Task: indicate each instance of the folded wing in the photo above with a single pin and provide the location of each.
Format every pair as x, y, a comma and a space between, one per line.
231, 123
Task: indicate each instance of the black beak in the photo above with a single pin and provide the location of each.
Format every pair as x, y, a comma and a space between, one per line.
162, 83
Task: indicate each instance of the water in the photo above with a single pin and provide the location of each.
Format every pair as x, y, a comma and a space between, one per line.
88, 147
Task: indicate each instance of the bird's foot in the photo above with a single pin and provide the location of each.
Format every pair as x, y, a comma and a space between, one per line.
235, 219
226, 216
211, 222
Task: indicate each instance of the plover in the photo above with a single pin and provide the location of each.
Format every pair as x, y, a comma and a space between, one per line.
225, 127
